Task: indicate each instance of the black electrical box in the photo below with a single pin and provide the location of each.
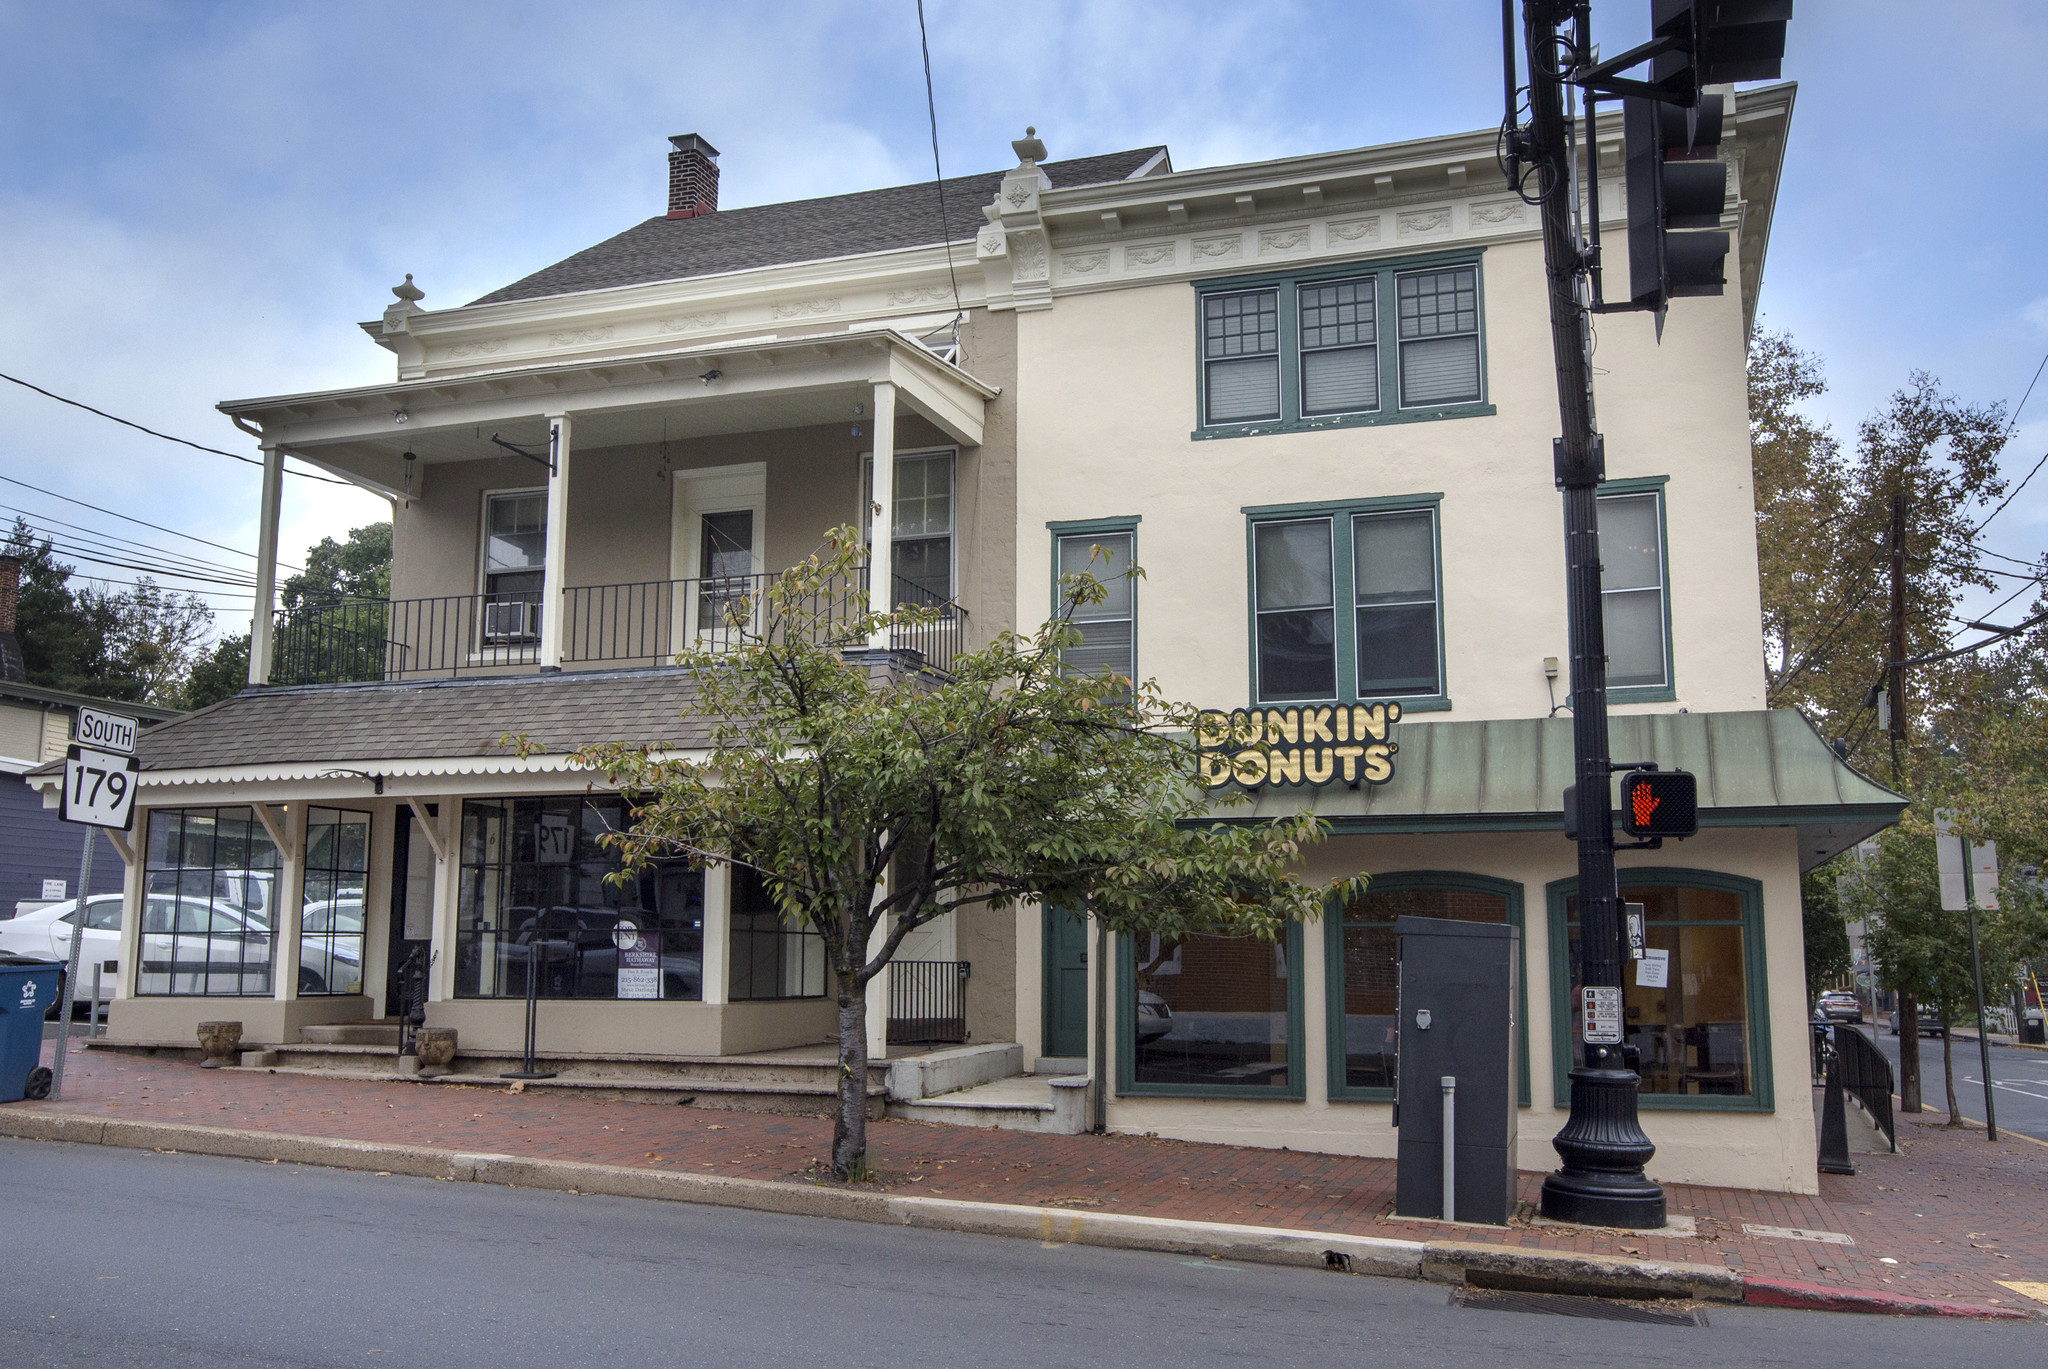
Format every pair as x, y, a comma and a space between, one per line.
1458, 983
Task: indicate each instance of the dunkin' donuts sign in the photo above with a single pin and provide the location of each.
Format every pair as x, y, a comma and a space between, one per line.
1312, 745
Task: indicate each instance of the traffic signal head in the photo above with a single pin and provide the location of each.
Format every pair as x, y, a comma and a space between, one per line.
1719, 42
1660, 803
1676, 194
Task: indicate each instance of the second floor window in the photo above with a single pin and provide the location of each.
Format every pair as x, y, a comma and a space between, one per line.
515, 547
1108, 629
1632, 594
1346, 605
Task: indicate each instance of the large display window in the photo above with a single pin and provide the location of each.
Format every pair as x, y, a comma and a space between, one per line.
210, 886
1211, 1016
536, 898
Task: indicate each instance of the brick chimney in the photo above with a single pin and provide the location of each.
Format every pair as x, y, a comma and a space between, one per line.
11, 664
692, 177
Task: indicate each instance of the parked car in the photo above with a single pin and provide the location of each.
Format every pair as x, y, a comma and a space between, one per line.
46, 933
1155, 1019
1840, 1005
331, 944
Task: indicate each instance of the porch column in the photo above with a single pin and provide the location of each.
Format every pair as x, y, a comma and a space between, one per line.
717, 973
287, 896
555, 556
882, 524
263, 623
129, 953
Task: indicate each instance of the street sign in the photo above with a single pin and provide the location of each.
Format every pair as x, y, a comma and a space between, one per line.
1601, 1013
99, 789
1984, 873
1949, 863
106, 731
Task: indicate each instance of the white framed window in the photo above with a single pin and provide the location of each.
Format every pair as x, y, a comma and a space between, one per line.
514, 553
921, 524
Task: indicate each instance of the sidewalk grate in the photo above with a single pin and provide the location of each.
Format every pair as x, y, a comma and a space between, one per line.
1571, 1305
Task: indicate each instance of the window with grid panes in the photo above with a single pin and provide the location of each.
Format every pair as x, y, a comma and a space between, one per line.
1241, 355
1340, 358
1632, 590
1108, 629
1439, 331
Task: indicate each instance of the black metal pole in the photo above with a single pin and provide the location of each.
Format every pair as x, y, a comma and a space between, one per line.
1602, 1145
526, 1068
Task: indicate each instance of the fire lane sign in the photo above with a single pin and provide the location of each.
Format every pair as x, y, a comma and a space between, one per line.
99, 788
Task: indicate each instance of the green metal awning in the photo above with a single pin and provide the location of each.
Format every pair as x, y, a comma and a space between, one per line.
1761, 769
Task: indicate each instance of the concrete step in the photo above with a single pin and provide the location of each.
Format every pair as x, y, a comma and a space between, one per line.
352, 1034
1055, 1106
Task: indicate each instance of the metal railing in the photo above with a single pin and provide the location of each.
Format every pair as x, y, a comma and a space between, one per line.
771, 961
1867, 1077
928, 1002
360, 640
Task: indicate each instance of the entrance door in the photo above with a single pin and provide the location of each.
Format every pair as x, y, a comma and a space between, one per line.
412, 906
1066, 983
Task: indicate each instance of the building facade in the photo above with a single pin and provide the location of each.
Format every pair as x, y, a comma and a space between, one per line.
1313, 398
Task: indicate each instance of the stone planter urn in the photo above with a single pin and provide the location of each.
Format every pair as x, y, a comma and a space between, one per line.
221, 1041
435, 1047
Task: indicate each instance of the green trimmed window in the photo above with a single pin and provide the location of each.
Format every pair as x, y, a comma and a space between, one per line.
1109, 630
1363, 977
1347, 602
1635, 601
1338, 346
1211, 1016
1702, 1038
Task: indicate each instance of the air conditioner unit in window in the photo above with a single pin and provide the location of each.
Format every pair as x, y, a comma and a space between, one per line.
511, 620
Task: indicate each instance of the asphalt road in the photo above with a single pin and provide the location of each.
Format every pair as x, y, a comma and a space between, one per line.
2019, 1080
116, 1257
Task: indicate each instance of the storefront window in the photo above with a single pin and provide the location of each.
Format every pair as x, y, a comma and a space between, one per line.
535, 897
1694, 1034
1210, 1013
331, 924
770, 958
1365, 978
209, 889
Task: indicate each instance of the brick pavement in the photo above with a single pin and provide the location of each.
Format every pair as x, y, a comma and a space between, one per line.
1949, 1217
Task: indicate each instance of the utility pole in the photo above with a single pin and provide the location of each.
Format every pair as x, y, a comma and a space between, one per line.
1602, 1144
1907, 1019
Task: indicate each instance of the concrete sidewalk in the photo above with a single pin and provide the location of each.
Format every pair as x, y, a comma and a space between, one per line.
1950, 1224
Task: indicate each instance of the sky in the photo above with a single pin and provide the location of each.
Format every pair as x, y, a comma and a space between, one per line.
199, 201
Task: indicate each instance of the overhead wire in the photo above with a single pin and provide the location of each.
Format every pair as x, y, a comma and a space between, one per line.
139, 522
931, 106
183, 442
43, 523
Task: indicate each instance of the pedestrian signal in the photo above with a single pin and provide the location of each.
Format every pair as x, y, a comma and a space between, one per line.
1660, 803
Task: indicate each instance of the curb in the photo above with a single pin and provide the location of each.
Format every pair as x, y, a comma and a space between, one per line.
1445, 1262
1810, 1297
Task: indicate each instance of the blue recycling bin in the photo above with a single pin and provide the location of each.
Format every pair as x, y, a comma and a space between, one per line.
27, 989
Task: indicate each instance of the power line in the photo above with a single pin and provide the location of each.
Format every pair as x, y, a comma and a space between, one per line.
2010, 497
139, 522
195, 446
931, 106
43, 522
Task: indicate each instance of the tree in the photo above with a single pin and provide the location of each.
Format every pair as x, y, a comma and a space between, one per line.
1827, 934
359, 568
220, 674
1919, 947
873, 801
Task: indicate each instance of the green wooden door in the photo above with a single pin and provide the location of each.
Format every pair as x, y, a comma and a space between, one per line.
1066, 983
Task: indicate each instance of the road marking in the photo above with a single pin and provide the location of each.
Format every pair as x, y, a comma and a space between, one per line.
2037, 1291
1797, 1233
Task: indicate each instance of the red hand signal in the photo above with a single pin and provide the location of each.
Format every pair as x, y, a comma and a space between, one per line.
1644, 803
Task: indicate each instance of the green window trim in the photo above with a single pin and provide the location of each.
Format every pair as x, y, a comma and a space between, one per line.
1333, 978
1386, 274
1296, 1089
1763, 1098
1081, 527
1651, 484
1341, 511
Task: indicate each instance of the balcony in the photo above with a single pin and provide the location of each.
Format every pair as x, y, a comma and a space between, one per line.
354, 641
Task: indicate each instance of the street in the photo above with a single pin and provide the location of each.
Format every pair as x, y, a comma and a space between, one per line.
121, 1257
2019, 1078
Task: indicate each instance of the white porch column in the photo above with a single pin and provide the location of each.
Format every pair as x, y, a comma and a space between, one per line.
882, 524
262, 624
717, 975
442, 832
287, 899
130, 952
555, 556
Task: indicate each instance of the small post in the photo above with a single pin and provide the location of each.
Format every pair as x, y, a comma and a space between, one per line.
526, 1068
1449, 1083
66, 990
1983, 1028
92, 1023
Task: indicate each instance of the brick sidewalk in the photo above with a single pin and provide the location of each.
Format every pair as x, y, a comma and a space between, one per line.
1957, 1214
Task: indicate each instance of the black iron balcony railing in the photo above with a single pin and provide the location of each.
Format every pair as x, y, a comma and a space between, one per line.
358, 640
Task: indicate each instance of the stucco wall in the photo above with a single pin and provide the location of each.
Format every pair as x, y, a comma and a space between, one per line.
1107, 399
1773, 1150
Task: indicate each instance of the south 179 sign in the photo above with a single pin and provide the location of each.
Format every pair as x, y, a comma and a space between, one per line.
1312, 745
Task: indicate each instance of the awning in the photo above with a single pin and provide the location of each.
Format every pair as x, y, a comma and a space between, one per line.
1760, 769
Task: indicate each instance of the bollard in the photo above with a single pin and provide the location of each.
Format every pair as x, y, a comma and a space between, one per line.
1449, 1082
92, 1024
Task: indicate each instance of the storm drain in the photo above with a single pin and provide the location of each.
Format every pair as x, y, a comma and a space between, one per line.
1571, 1305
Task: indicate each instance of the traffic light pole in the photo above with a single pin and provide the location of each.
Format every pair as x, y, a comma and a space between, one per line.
1602, 1146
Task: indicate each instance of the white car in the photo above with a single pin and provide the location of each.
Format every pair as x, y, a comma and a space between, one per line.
46, 934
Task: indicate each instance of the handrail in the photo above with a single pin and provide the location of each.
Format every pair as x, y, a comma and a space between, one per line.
1867, 1077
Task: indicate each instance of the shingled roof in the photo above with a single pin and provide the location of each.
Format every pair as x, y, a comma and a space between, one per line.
800, 230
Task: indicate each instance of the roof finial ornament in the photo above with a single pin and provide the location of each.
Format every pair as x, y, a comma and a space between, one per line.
408, 292
1028, 148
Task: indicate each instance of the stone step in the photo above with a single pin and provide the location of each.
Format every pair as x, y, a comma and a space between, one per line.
1055, 1106
352, 1034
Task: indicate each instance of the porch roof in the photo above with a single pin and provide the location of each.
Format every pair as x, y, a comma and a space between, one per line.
747, 385
1755, 769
